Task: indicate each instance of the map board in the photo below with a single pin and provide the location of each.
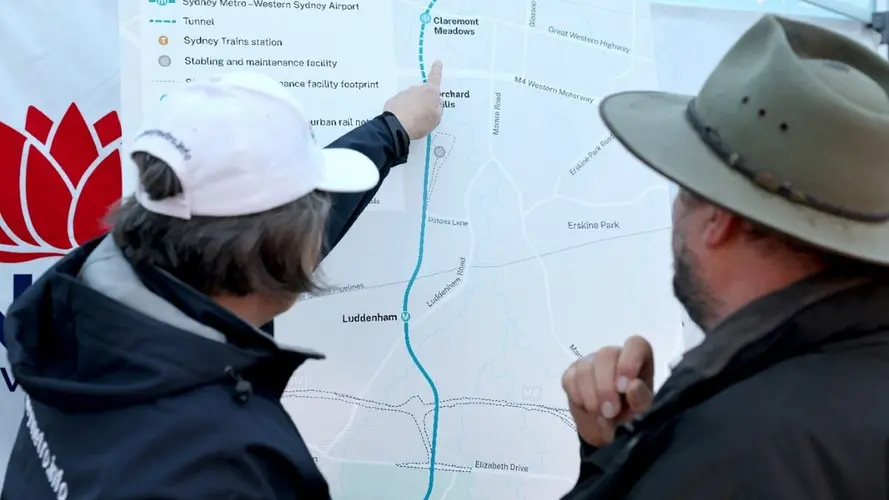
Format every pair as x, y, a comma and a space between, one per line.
518, 237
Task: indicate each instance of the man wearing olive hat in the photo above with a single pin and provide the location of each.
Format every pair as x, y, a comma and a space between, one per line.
781, 256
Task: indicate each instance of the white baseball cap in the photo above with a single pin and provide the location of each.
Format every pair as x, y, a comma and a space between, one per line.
240, 144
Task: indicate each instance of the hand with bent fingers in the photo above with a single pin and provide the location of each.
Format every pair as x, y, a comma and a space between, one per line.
609, 388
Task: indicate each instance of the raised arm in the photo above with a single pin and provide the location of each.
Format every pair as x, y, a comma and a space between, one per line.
409, 115
385, 141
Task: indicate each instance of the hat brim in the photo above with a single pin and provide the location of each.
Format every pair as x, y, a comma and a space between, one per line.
347, 171
653, 127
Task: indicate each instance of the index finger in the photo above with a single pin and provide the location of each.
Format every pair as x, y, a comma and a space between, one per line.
434, 76
636, 361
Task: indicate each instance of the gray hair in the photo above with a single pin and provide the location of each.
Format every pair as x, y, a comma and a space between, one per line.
271, 253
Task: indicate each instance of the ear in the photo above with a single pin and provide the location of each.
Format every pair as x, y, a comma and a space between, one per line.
720, 227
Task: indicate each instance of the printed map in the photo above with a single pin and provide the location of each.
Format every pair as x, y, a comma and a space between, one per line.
519, 236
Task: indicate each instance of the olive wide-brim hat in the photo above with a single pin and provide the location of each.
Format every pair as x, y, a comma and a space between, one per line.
790, 130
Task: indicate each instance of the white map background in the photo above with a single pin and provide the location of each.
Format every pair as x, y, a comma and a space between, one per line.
533, 293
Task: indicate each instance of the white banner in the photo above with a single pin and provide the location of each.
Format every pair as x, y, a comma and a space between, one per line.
59, 139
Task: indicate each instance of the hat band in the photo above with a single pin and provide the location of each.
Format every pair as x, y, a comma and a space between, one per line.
768, 181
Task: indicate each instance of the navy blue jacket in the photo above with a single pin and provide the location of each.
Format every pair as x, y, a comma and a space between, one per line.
139, 387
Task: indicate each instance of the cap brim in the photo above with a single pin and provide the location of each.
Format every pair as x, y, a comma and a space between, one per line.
348, 171
653, 127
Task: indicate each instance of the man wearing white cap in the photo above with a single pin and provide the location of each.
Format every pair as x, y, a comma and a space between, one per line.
141, 354
781, 252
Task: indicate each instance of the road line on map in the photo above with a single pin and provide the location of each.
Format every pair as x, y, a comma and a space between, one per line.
536, 257
469, 253
584, 203
450, 487
425, 18
351, 420
522, 260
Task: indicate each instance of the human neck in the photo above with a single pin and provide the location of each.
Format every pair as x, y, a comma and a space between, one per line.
251, 309
755, 280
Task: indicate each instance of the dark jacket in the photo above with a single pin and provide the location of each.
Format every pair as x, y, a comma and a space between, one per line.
786, 400
137, 386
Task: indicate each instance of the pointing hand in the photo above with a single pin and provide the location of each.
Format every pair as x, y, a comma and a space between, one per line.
595, 383
418, 108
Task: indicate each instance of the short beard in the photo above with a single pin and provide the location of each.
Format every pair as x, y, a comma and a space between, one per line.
691, 291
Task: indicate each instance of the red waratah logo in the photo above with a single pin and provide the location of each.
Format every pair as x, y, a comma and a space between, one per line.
57, 180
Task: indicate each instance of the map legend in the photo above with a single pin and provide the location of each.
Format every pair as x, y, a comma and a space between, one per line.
281, 39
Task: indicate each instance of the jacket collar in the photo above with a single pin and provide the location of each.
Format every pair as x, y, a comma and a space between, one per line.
813, 314
756, 320
192, 303
200, 308
797, 319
